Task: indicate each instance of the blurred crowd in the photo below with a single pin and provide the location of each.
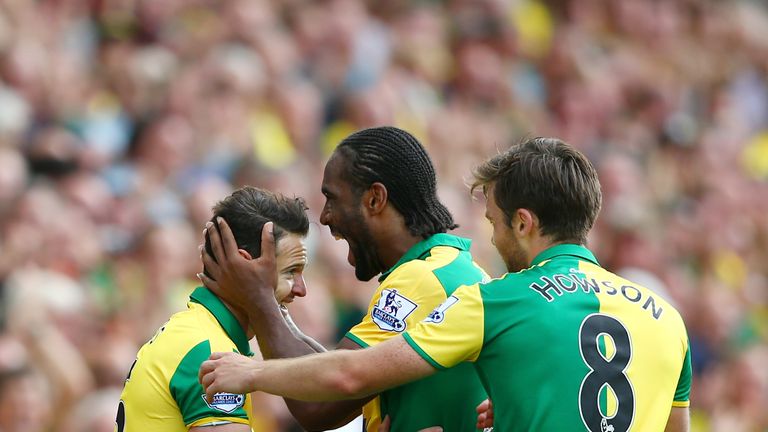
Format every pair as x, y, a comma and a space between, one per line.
123, 121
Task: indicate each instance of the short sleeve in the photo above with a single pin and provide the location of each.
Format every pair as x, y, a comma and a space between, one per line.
453, 332
683, 391
399, 303
190, 397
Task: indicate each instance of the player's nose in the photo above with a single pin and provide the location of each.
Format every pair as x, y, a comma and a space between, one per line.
299, 288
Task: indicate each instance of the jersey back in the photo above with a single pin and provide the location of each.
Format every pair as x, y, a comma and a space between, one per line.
567, 346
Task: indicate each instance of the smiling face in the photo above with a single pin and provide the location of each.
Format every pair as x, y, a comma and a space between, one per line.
291, 257
343, 214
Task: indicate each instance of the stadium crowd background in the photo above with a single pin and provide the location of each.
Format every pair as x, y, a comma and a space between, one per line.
123, 121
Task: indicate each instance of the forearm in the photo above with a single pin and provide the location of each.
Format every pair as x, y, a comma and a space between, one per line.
321, 416
275, 336
331, 376
313, 344
341, 374
275, 342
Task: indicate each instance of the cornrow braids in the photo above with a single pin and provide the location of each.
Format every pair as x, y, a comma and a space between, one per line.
396, 159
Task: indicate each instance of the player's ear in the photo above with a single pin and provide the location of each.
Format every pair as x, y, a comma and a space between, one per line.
375, 198
244, 253
525, 222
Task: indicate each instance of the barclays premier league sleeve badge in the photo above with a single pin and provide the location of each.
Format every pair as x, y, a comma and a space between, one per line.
226, 402
438, 315
391, 310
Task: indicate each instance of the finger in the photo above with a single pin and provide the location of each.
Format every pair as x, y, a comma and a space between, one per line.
483, 407
227, 238
482, 422
432, 429
384, 426
210, 390
206, 367
208, 282
268, 241
213, 268
214, 238
217, 355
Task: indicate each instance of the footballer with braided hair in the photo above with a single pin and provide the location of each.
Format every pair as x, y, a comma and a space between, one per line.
396, 159
381, 198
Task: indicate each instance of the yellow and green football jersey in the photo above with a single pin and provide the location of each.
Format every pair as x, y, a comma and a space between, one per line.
162, 393
565, 346
421, 280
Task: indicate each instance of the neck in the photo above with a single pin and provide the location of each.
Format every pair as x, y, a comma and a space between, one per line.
395, 245
539, 245
241, 318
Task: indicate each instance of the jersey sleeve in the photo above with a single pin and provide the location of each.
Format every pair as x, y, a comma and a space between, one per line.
399, 303
683, 391
190, 397
453, 332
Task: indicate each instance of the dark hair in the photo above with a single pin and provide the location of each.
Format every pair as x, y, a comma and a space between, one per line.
550, 178
246, 211
396, 159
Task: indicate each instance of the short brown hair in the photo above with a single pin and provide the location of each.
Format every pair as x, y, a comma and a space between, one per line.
246, 211
550, 178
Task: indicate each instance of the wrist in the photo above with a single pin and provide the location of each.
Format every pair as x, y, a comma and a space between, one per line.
253, 376
267, 311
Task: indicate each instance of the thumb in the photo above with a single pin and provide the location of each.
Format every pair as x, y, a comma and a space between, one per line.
268, 241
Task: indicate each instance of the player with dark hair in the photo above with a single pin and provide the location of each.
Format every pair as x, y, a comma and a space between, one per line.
381, 197
396, 159
161, 391
561, 343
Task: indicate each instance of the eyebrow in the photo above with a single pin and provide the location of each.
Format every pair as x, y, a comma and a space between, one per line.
297, 265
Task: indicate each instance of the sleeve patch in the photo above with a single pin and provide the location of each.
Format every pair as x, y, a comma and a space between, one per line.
438, 315
225, 402
390, 312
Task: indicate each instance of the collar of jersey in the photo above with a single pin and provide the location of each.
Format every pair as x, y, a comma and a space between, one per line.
565, 249
228, 322
422, 248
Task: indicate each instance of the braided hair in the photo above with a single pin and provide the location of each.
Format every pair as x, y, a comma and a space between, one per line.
396, 159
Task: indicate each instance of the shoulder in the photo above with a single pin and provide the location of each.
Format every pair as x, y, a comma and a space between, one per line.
413, 273
186, 332
507, 281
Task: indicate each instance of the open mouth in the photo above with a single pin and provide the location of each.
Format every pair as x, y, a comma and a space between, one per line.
336, 234
350, 255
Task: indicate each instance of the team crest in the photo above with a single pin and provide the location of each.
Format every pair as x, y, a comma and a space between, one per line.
438, 315
392, 310
226, 402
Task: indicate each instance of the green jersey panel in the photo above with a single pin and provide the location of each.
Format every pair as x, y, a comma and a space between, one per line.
162, 391
565, 345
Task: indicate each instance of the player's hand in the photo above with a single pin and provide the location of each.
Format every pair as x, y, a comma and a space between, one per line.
226, 372
485, 414
241, 282
384, 425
